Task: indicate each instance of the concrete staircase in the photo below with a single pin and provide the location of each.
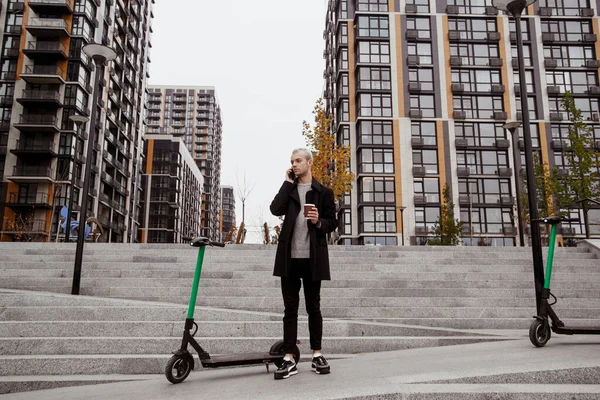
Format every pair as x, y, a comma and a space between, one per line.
381, 298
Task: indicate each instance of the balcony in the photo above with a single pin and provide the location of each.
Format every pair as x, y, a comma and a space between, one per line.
35, 226
37, 123
39, 200
48, 27
34, 149
43, 74
30, 174
40, 98
51, 6
45, 50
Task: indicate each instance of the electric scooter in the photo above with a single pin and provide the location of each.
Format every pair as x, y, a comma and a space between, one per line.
540, 329
182, 362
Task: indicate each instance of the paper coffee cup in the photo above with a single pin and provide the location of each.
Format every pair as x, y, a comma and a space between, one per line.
307, 208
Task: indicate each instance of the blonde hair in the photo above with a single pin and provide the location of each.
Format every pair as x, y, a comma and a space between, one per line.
307, 152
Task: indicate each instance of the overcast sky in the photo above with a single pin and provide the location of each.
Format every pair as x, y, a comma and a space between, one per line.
265, 59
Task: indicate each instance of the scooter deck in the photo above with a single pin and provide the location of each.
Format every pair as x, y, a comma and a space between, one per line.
239, 359
577, 330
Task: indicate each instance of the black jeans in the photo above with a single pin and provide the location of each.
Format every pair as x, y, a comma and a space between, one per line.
290, 288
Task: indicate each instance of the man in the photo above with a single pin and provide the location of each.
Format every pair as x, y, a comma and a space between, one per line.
302, 254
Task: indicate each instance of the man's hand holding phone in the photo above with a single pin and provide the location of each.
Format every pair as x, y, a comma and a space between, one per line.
290, 175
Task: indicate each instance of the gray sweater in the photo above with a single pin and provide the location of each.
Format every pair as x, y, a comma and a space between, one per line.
300, 238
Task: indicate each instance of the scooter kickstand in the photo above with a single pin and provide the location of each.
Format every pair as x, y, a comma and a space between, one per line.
267, 365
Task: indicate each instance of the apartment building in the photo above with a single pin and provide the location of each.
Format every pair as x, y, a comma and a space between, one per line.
172, 194
193, 114
44, 79
227, 210
420, 90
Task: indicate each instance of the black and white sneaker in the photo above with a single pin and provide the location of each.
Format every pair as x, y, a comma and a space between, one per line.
287, 369
320, 366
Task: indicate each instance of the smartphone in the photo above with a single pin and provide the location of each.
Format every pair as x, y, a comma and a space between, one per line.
291, 174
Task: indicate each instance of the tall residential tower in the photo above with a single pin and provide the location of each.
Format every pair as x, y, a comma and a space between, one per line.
420, 90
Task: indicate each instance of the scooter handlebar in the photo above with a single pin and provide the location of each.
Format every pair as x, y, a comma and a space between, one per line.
218, 244
554, 220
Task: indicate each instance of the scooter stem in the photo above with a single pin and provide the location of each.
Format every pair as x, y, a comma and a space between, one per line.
197, 273
550, 256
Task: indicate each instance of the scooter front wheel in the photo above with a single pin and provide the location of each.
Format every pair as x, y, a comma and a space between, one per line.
539, 333
277, 348
178, 368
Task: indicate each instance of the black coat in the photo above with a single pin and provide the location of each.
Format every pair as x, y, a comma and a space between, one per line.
287, 202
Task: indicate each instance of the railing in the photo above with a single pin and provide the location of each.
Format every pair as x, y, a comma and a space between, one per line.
41, 95
48, 23
39, 198
33, 171
37, 225
43, 70
37, 119
36, 45
35, 146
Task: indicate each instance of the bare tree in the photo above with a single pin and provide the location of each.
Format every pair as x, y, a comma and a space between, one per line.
243, 191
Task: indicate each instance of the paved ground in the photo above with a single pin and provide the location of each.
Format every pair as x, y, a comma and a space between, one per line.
568, 367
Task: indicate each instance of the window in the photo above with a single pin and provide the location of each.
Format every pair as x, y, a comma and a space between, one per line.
373, 5
342, 34
470, 6
422, 5
342, 12
375, 105
569, 56
378, 161
526, 54
343, 136
75, 96
82, 27
342, 85
482, 161
421, 25
343, 111
478, 106
424, 76
531, 105
565, 7
427, 159
346, 222
524, 28
426, 217
567, 30
376, 190
484, 190
476, 80
486, 220
374, 52
377, 219
528, 80
474, 54
479, 134
471, 28
379, 241
374, 132
422, 51
425, 131
374, 78
586, 105
342, 61
535, 137
424, 103
429, 188
576, 82
373, 26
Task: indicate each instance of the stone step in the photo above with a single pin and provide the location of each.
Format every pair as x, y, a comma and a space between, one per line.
16, 384
221, 345
475, 324
40, 329
60, 268
120, 313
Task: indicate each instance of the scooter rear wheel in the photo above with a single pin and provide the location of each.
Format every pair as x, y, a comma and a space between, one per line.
178, 368
277, 348
539, 333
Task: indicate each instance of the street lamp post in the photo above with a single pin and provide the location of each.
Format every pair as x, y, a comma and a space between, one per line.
101, 55
512, 128
79, 120
515, 9
401, 209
